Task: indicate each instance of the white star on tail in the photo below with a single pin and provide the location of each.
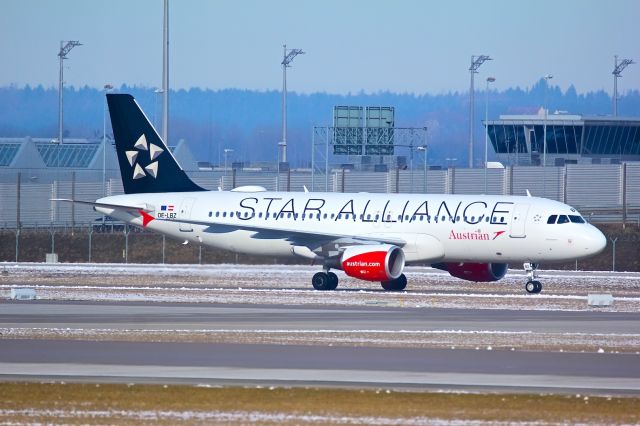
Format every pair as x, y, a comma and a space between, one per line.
154, 152
138, 172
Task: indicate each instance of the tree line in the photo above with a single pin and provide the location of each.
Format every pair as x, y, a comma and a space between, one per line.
249, 121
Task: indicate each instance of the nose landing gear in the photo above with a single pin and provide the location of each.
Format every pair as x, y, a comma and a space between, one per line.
532, 286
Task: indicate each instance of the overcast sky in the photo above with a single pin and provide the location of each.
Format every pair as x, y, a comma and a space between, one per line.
370, 45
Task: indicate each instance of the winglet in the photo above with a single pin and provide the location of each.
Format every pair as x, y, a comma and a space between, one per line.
528, 193
305, 189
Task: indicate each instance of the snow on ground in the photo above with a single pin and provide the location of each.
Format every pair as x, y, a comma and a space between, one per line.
290, 285
446, 338
232, 417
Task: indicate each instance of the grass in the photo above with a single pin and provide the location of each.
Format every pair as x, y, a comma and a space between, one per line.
171, 404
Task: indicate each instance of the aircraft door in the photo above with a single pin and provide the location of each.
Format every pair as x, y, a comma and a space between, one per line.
518, 221
185, 213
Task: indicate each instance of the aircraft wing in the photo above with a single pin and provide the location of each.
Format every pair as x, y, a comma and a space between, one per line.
143, 207
310, 239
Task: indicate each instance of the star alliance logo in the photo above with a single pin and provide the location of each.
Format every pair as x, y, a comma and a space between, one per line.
154, 152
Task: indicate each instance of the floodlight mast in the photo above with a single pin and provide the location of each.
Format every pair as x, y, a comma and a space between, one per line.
165, 74
617, 70
476, 61
65, 48
286, 61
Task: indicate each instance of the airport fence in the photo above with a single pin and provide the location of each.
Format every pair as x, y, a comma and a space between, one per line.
604, 193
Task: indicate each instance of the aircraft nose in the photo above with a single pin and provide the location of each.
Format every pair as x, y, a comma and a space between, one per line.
595, 241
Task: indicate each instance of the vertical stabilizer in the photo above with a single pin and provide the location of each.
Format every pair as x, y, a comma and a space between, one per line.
146, 163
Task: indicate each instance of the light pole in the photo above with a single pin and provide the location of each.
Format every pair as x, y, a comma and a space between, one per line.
226, 152
424, 149
155, 107
65, 48
107, 88
476, 61
286, 61
486, 132
281, 145
617, 69
546, 91
165, 74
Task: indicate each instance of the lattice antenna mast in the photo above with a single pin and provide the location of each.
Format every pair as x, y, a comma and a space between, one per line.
476, 61
65, 48
617, 70
286, 63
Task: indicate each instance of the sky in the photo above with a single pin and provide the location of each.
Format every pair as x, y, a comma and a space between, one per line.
402, 46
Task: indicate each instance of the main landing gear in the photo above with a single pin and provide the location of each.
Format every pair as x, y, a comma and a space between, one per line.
532, 286
325, 281
398, 284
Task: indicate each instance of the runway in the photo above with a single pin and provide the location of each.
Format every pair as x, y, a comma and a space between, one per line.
312, 365
222, 324
359, 362
247, 317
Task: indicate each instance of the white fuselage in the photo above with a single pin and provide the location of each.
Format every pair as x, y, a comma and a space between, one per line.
433, 228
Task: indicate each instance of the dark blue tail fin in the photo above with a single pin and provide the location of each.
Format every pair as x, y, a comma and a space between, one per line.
146, 163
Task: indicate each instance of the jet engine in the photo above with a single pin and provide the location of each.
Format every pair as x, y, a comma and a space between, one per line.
382, 262
478, 272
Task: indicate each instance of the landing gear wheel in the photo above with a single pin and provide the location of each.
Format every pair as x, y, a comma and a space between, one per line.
333, 281
533, 287
538, 286
401, 282
321, 281
398, 284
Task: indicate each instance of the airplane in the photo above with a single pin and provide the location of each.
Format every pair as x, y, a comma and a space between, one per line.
368, 236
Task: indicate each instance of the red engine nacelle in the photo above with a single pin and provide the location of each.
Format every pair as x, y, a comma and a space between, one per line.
382, 262
475, 271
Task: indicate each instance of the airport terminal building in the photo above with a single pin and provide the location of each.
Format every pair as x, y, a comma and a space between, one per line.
571, 139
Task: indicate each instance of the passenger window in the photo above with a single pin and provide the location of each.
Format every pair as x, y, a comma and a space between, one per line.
563, 219
210, 214
552, 219
224, 214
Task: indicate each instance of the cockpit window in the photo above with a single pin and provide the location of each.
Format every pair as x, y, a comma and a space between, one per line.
563, 219
576, 219
552, 219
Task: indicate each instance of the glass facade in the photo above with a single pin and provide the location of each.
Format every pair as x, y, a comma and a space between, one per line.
71, 155
567, 138
8, 152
